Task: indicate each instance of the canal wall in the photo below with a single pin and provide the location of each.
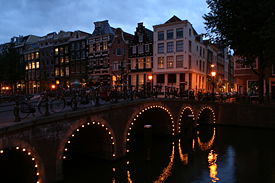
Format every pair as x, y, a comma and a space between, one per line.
247, 115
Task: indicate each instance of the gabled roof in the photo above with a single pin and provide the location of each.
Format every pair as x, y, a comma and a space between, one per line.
173, 19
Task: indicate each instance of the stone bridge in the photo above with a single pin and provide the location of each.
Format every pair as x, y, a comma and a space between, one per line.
102, 131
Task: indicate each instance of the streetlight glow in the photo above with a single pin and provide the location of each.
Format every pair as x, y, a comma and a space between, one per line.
213, 73
150, 77
212, 65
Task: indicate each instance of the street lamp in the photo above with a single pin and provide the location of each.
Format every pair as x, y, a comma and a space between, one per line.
150, 78
213, 74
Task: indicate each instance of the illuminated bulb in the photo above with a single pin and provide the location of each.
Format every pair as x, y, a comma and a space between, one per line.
128, 133
128, 140
127, 162
106, 128
1, 151
137, 115
17, 147
37, 182
133, 123
109, 133
88, 123
98, 123
64, 157
114, 155
37, 173
24, 149
93, 123
130, 128
72, 135
83, 126
33, 159
102, 125
66, 149
112, 138
29, 153
35, 166
77, 130
142, 110
114, 169
113, 143
127, 150
69, 142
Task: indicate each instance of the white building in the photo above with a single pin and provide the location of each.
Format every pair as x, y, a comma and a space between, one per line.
179, 56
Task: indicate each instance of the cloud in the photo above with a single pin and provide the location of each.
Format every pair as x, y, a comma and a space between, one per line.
39, 17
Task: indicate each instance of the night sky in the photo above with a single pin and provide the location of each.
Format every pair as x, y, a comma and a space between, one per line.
39, 17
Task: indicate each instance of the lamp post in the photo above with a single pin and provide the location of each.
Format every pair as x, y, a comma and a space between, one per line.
150, 78
213, 74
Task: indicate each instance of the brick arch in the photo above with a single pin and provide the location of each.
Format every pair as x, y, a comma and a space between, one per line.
136, 115
20, 145
75, 127
182, 110
207, 107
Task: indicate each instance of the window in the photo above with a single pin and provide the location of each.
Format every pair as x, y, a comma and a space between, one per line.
170, 47
190, 46
160, 62
133, 63
37, 55
179, 46
179, 33
140, 38
30, 65
172, 78
170, 34
105, 46
61, 60
62, 72
161, 48
170, 62
67, 71
67, 59
147, 48
118, 51
32, 56
140, 49
200, 65
160, 36
115, 66
148, 62
33, 65
179, 61
27, 67
66, 50
160, 78
56, 71
134, 49
141, 63
37, 65
98, 47
56, 51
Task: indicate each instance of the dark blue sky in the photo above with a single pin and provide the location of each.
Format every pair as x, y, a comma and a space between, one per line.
39, 17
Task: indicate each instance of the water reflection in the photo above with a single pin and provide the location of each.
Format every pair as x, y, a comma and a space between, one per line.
211, 155
212, 158
167, 171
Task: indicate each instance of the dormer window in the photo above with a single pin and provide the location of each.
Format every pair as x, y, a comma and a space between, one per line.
140, 38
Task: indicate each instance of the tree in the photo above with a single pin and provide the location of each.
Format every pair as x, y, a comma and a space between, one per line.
12, 69
248, 27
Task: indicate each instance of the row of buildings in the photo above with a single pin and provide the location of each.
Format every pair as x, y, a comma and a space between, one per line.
173, 54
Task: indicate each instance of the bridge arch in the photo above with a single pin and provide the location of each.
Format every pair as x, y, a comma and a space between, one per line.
134, 118
184, 117
206, 115
78, 127
29, 153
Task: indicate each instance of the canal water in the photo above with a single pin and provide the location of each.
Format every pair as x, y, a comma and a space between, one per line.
209, 154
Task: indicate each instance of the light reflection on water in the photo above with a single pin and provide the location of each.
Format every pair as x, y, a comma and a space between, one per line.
206, 157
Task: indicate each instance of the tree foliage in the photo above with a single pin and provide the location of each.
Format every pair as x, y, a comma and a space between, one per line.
11, 68
247, 26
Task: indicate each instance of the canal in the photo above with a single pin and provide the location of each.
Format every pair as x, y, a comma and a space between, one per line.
208, 154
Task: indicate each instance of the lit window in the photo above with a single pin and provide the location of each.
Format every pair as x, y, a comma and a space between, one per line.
67, 71
56, 51
37, 65
57, 71
61, 60
160, 62
140, 63
105, 46
30, 65
27, 67
148, 62
170, 62
33, 65
37, 55
133, 63
62, 72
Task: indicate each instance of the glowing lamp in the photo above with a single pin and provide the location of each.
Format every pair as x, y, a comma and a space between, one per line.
53, 87
212, 65
213, 73
150, 77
